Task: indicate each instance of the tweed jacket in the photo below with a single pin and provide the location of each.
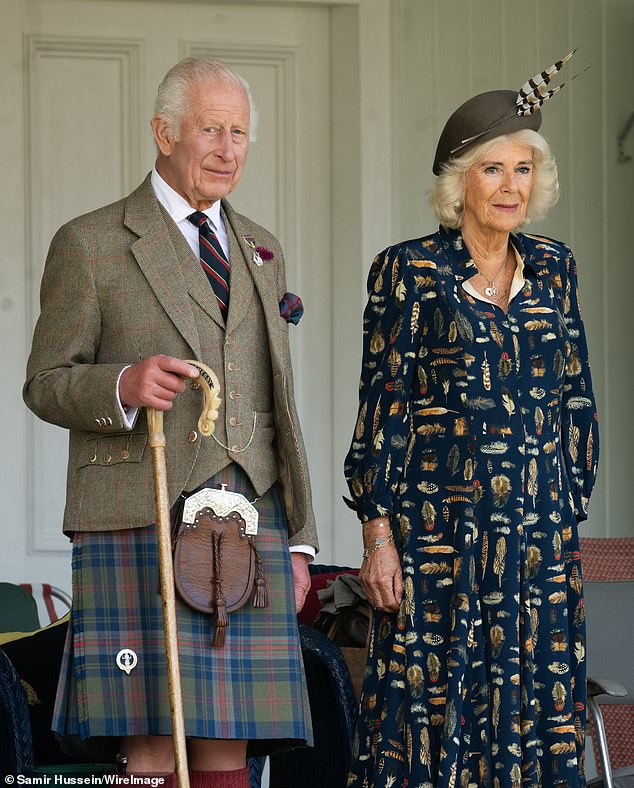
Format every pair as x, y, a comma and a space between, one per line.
117, 288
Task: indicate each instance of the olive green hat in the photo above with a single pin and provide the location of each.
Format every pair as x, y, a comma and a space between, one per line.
489, 115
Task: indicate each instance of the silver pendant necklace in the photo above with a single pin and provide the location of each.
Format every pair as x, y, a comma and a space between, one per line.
491, 290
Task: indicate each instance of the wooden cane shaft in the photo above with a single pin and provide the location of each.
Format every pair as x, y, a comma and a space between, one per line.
157, 444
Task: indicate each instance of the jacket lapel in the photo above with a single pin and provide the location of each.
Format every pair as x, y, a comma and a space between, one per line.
264, 276
158, 259
241, 284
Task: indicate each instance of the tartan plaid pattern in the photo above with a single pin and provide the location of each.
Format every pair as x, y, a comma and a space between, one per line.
252, 688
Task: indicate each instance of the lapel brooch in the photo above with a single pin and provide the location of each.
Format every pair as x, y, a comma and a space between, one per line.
260, 253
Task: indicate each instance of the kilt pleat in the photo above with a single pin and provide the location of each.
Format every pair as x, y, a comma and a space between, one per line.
252, 688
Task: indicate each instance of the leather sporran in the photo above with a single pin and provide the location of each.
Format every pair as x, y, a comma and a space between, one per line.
216, 565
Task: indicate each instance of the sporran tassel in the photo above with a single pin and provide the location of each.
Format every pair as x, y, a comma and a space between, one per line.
221, 622
261, 596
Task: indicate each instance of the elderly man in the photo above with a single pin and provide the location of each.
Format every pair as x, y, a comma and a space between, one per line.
168, 273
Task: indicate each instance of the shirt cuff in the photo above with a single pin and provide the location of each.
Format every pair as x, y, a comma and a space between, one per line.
128, 415
306, 549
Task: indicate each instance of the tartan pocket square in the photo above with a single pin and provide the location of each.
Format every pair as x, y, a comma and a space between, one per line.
291, 308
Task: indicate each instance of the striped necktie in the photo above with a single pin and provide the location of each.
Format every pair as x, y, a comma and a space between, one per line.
213, 260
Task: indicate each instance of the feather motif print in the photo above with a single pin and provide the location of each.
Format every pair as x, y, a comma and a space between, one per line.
377, 343
516, 350
533, 560
394, 361
495, 713
573, 441
358, 433
464, 327
499, 562
413, 322
433, 667
558, 364
496, 334
507, 401
424, 753
485, 551
504, 366
483, 770
410, 605
453, 331
539, 420
453, 460
589, 450
534, 617
422, 379
468, 469
377, 418
557, 546
496, 637
429, 516
486, 374
396, 329
575, 579
439, 323
516, 776
395, 270
501, 489
559, 696
531, 486
410, 745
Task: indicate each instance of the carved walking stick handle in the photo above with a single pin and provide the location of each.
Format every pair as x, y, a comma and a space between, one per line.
208, 381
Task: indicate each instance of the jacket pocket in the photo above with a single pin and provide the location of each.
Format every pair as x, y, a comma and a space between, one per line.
113, 449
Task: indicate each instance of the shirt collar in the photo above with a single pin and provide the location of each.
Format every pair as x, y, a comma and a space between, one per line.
176, 205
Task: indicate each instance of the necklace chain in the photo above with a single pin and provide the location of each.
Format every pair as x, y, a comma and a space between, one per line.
492, 290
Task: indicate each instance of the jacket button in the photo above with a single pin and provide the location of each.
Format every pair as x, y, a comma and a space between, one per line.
93, 458
233, 421
98, 422
107, 458
109, 421
125, 454
192, 437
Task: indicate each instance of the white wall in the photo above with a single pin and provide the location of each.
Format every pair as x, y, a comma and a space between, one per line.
445, 51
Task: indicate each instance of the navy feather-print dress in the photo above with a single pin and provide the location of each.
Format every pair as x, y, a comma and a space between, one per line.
477, 434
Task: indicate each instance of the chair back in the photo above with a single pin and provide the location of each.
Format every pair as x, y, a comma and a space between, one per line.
608, 569
18, 610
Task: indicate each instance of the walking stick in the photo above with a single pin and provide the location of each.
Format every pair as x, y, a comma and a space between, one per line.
211, 388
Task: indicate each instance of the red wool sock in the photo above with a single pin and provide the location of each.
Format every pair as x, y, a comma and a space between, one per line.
234, 779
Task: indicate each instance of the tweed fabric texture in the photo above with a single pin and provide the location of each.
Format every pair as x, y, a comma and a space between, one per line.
116, 289
252, 688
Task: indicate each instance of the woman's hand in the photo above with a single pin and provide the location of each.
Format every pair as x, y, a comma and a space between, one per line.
381, 576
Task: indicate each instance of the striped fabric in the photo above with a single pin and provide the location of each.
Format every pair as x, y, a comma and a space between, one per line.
213, 260
252, 688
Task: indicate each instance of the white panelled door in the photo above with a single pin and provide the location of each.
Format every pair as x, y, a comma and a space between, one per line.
78, 81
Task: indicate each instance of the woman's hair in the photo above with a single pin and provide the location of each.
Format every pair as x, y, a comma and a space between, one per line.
447, 196
173, 96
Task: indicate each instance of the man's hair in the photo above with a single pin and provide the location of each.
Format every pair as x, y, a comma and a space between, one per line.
448, 192
174, 93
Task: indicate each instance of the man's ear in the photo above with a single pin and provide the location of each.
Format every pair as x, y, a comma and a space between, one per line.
163, 140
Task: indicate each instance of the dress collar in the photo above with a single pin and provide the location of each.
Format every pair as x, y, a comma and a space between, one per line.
533, 250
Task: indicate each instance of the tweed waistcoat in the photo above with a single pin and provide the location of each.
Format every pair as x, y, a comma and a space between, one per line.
242, 362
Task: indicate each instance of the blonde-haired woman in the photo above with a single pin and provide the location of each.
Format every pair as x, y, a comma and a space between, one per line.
473, 458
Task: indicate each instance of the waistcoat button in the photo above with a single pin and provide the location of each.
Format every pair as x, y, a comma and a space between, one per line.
192, 437
233, 421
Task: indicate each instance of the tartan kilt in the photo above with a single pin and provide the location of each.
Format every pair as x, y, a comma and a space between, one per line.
252, 688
